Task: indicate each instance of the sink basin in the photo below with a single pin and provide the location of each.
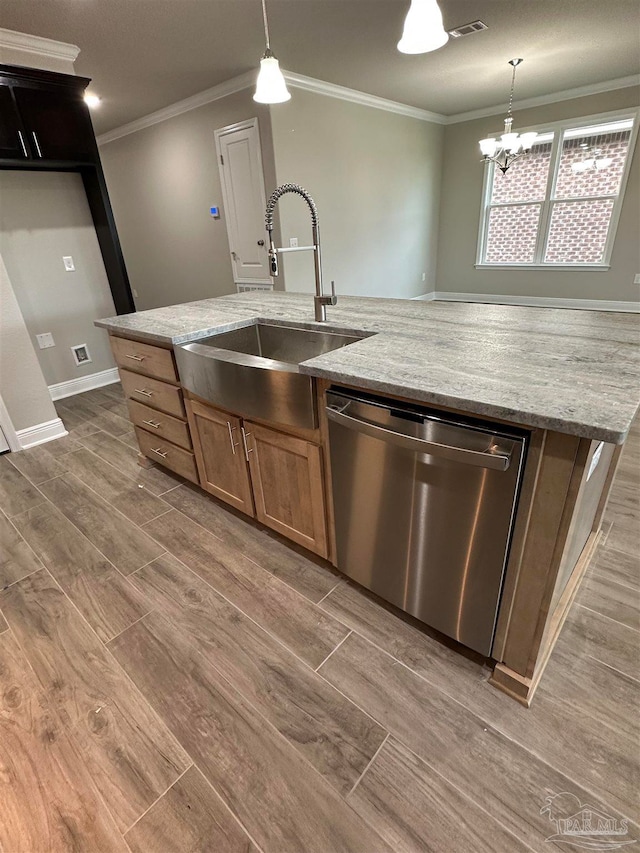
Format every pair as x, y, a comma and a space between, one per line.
254, 371
289, 345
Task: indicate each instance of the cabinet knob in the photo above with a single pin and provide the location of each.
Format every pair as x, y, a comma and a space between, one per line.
260, 242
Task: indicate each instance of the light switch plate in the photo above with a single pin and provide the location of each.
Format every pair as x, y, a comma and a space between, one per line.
45, 340
67, 260
636, 280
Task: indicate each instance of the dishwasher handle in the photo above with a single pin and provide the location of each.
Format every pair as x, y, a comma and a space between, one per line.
483, 459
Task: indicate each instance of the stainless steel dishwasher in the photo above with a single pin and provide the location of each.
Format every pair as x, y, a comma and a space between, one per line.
424, 509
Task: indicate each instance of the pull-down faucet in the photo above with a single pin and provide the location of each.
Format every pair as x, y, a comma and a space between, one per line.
320, 300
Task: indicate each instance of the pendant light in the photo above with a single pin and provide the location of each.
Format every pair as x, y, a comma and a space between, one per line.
511, 146
423, 28
271, 87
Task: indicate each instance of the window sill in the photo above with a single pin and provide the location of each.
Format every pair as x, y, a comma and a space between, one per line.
554, 267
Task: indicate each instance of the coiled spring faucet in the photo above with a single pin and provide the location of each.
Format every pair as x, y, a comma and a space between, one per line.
320, 300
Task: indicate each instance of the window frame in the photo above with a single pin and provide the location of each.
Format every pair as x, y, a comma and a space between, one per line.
546, 205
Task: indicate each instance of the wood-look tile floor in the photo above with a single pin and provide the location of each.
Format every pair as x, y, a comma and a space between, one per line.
174, 678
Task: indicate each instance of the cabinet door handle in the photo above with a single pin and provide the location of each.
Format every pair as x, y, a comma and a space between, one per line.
136, 357
37, 144
233, 444
159, 452
154, 424
143, 392
247, 450
22, 143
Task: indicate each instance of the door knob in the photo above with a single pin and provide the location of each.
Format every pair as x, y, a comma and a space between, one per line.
260, 242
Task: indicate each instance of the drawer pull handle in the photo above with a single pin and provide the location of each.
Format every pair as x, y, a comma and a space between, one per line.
234, 444
159, 452
143, 392
154, 424
247, 450
136, 357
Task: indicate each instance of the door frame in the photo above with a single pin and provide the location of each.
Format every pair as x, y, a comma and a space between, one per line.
247, 124
8, 429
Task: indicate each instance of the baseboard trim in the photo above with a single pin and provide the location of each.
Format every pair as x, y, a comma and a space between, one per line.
537, 301
41, 433
84, 383
425, 297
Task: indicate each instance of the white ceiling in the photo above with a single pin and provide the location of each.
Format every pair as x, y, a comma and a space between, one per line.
146, 54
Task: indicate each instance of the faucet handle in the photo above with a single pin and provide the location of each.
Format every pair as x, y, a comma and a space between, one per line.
334, 298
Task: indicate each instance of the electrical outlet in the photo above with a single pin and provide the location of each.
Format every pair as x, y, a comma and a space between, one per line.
636, 280
67, 260
293, 242
135, 292
424, 276
45, 340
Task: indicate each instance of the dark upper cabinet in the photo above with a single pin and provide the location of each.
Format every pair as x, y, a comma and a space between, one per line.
13, 145
43, 117
56, 123
45, 126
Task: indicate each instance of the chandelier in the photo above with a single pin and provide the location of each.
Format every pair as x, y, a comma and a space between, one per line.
511, 146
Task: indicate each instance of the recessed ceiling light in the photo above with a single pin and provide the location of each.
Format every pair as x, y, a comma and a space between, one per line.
91, 100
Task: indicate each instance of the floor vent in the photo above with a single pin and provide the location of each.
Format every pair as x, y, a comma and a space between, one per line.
468, 29
246, 288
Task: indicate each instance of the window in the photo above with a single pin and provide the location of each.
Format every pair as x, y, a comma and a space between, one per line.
558, 206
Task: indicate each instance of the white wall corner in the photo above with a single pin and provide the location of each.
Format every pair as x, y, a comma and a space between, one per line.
41, 433
539, 301
84, 383
13, 40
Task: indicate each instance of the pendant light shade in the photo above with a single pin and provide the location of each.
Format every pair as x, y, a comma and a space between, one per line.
271, 87
423, 28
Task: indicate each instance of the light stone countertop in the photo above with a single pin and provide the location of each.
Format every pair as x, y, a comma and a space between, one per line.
573, 371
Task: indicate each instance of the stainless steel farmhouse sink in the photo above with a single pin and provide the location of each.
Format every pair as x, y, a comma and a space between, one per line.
254, 371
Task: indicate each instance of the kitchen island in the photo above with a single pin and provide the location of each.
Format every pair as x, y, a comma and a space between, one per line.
569, 379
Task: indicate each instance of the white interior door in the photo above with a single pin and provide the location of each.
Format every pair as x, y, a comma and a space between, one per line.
240, 163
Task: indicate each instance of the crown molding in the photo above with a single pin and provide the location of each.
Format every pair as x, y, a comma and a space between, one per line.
222, 90
342, 93
37, 44
332, 90
555, 97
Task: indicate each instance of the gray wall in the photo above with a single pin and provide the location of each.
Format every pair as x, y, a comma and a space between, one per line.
43, 217
375, 177
22, 386
162, 181
462, 178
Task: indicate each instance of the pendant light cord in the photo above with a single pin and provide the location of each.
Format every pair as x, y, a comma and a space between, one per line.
266, 24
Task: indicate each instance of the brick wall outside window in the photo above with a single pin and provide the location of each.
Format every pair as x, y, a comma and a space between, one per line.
577, 229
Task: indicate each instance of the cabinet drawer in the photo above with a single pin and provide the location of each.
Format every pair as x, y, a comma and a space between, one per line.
158, 395
167, 454
144, 358
160, 424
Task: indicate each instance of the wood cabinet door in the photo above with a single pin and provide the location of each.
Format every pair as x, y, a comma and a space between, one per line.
286, 474
220, 455
57, 124
13, 141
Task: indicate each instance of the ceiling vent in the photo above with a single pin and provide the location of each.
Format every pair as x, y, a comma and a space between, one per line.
468, 29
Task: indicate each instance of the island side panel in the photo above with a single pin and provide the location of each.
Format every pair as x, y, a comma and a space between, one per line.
562, 519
